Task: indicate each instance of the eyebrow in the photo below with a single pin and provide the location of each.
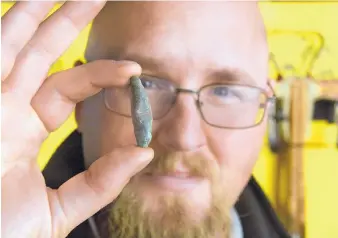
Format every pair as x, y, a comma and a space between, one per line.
232, 75
146, 61
158, 65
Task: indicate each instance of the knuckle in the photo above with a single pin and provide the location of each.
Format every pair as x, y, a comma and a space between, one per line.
93, 182
8, 56
70, 23
31, 18
40, 50
59, 219
10, 42
50, 46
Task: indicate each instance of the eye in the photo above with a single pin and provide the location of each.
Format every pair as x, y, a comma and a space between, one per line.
148, 83
221, 91
224, 94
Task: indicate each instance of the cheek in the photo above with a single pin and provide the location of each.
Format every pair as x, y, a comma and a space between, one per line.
237, 152
116, 131
103, 130
236, 148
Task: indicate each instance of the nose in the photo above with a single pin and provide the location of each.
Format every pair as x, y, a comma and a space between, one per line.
182, 128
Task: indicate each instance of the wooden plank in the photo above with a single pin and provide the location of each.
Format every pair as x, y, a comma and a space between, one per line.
329, 89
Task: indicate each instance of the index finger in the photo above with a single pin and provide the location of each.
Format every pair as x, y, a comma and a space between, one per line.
59, 94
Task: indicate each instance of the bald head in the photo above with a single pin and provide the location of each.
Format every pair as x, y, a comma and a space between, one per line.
155, 34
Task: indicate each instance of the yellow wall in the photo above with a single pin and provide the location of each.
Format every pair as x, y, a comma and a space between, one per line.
295, 31
294, 37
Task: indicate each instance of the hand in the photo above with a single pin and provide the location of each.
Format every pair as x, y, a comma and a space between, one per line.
32, 106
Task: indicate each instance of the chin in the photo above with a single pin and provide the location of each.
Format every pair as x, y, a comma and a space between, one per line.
149, 212
170, 205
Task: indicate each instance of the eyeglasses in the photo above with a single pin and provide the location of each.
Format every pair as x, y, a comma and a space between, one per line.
232, 106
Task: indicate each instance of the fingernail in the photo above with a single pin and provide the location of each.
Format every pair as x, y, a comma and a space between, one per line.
145, 159
148, 154
126, 62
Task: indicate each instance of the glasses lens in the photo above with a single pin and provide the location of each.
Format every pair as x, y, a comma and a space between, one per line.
161, 94
232, 106
118, 100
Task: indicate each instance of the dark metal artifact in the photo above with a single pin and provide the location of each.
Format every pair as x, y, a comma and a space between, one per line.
140, 112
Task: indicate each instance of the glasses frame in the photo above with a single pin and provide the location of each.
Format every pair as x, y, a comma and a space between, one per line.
199, 103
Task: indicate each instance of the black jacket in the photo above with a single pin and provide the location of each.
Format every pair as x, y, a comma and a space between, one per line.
257, 216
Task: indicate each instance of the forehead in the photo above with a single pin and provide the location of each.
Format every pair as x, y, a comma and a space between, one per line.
186, 36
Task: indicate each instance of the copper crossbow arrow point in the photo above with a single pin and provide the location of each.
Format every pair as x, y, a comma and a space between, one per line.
140, 112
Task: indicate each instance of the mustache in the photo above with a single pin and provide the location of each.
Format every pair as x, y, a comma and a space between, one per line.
196, 165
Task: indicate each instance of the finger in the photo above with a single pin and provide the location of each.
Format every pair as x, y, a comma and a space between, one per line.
50, 41
86, 193
57, 97
17, 28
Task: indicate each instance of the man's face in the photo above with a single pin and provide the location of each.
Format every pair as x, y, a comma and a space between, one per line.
199, 170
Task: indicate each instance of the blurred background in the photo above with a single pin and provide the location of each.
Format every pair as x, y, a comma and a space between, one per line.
303, 41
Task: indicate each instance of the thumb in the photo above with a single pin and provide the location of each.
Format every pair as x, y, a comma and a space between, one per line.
86, 193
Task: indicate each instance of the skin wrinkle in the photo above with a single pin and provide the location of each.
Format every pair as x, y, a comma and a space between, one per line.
189, 45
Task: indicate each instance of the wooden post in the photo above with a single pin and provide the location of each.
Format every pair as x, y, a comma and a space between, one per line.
299, 96
298, 122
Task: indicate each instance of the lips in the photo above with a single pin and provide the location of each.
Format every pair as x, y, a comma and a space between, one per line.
172, 181
180, 171
183, 175
175, 174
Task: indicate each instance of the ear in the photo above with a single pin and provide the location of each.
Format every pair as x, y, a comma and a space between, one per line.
272, 86
79, 106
